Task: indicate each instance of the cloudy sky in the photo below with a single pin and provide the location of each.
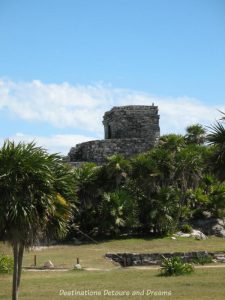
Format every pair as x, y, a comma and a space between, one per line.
63, 63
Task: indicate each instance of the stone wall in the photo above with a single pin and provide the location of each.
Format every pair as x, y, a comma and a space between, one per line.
134, 121
98, 151
129, 130
148, 259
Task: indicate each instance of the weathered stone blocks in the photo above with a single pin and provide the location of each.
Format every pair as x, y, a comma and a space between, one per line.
129, 130
150, 259
134, 121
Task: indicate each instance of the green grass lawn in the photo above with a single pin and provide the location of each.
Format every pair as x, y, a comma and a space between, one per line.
92, 255
203, 284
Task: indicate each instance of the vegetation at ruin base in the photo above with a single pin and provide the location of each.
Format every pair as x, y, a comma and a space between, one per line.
178, 181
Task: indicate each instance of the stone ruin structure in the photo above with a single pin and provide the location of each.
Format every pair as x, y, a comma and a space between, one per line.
129, 130
148, 259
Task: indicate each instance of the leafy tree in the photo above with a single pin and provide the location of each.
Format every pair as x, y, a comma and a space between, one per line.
189, 171
111, 213
114, 172
31, 202
101, 201
89, 192
195, 134
164, 175
86, 177
209, 196
172, 142
165, 207
217, 200
156, 190
165, 164
144, 177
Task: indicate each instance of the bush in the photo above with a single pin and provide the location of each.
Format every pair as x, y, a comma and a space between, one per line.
202, 260
6, 264
175, 266
186, 228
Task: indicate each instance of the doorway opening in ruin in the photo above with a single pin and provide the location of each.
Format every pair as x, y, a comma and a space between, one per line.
109, 132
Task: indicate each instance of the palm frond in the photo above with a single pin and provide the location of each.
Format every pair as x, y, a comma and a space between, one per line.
216, 134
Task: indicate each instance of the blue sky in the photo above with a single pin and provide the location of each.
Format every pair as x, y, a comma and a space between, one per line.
64, 62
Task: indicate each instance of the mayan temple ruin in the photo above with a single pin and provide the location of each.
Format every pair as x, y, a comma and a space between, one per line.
129, 130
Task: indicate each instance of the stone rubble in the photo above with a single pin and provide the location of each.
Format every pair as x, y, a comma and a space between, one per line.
48, 265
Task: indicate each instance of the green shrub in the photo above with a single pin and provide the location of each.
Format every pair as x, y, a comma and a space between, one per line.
175, 266
202, 260
186, 228
6, 264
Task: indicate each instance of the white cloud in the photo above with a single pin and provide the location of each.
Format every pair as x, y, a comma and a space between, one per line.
54, 143
82, 107
177, 114
61, 105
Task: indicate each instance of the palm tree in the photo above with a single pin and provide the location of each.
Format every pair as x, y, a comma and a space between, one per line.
30, 201
111, 213
85, 177
189, 172
172, 142
89, 191
165, 161
145, 178
216, 138
165, 207
223, 117
115, 171
195, 134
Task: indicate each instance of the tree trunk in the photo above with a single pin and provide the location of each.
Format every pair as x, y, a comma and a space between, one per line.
15, 271
20, 261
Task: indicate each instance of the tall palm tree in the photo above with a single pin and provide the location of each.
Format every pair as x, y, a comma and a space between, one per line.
30, 199
189, 171
141, 186
89, 191
195, 134
216, 137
